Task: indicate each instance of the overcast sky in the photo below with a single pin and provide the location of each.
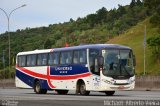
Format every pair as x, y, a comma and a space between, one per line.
39, 13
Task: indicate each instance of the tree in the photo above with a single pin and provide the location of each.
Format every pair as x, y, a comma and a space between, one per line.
91, 19
121, 10
139, 3
154, 7
101, 14
154, 43
47, 44
132, 4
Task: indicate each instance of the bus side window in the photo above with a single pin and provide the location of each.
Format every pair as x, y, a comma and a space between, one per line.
51, 58
76, 57
42, 59
39, 60
21, 61
28, 60
33, 60
82, 56
66, 57
62, 58
56, 58
79, 56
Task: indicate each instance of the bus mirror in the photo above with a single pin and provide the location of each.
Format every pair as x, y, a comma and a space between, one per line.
134, 60
100, 61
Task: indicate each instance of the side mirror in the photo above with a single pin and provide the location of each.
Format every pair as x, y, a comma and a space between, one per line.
100, 61
134, 60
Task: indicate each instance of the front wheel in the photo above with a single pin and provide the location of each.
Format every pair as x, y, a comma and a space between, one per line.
83, 89
38, 89
109, 93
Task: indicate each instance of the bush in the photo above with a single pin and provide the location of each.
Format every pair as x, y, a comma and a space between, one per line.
7, 74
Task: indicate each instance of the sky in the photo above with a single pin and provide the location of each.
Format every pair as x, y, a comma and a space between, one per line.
38, 13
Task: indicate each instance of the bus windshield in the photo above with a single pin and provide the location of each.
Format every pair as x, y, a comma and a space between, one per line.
118, 63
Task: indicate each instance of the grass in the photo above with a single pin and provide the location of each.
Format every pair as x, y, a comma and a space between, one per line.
134, 38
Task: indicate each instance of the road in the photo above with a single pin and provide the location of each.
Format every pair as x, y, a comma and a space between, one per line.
26, 97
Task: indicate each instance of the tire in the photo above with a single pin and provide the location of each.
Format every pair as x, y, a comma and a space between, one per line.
62, 92
38, 89
82, 89
109, 93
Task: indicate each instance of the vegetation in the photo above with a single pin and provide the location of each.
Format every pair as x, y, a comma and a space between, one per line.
99, 27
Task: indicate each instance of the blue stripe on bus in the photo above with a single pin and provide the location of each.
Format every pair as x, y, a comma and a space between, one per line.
69, 69
29, 80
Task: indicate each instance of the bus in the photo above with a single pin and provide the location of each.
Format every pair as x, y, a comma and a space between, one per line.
95, 67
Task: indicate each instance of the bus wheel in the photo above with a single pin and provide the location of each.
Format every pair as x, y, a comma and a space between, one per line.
62, 92
109, 93
38, 89
83, 89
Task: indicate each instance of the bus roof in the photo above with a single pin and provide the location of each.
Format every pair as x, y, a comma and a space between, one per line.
91, 46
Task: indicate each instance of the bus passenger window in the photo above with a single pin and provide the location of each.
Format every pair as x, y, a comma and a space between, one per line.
50, 59
76, 57
82, 56
56, 58
21, 61
28, 60
66, 57
42, 59
33, 60
39, 59
53, 58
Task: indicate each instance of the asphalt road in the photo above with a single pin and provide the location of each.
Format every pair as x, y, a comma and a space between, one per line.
26, 97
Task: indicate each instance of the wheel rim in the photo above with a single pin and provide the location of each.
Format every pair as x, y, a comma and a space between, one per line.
37, 87
83, 89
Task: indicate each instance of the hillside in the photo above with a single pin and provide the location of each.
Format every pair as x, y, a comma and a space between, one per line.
124, 25
94, 28
134, 38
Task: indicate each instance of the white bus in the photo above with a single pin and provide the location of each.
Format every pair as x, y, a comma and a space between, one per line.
96, 67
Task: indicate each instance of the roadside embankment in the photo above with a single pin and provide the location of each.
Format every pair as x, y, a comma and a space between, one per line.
7, 83
147, 83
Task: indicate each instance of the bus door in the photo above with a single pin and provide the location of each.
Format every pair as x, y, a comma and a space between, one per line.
93, 55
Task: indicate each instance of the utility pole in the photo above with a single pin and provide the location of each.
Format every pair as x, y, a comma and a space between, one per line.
144, 46
8, 24
3, 61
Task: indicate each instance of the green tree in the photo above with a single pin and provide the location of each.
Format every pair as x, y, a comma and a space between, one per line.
139, 3
47, 44
154, 43
133, 3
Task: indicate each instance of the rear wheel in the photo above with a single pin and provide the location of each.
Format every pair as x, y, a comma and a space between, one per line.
38, 89
83, 89
109, 93
62, 92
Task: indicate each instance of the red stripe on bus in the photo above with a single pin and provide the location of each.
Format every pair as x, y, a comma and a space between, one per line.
48, 79
32, 73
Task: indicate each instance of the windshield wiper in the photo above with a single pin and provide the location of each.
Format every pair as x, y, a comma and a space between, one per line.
125, 69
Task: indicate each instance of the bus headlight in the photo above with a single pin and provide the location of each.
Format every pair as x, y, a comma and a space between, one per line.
131, 80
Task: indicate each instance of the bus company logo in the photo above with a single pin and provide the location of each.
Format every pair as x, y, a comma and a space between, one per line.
63, 68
